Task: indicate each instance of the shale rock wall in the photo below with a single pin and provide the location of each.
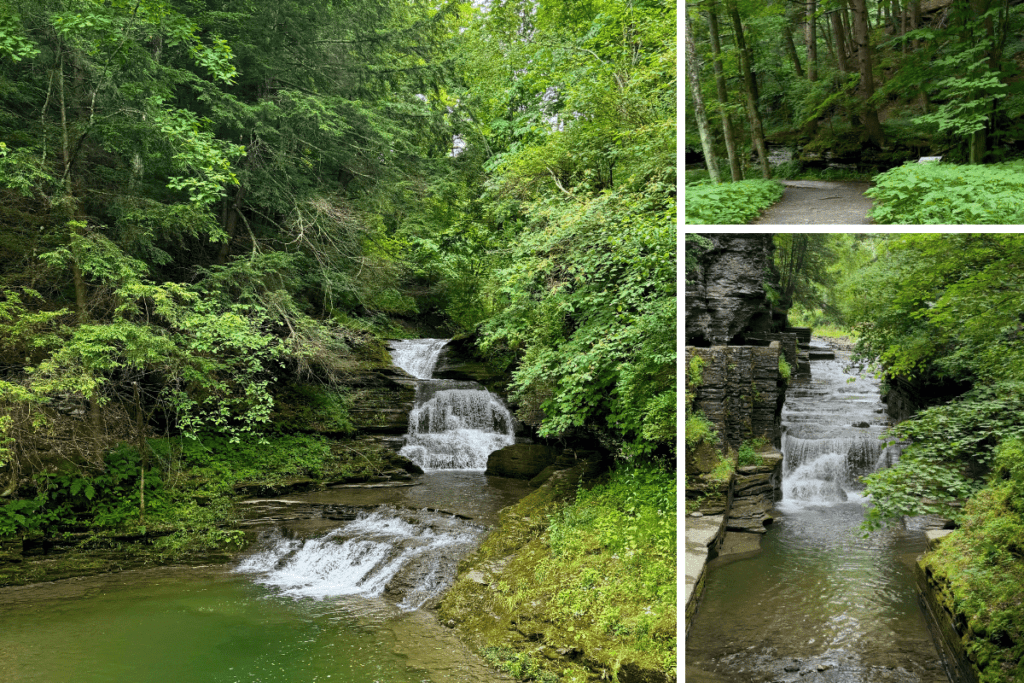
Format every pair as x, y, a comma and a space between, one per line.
726, 301
740, 392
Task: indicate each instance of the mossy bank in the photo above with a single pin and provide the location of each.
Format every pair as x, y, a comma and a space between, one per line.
578, 581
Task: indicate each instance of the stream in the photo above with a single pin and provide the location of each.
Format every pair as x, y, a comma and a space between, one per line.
819, 601
333, 590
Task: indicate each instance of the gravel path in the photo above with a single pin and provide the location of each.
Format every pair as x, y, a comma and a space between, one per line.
819, 202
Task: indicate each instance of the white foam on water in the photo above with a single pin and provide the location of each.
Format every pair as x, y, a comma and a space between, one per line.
458, 429
360, 558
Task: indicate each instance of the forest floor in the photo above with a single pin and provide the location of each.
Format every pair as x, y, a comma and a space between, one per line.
819, 202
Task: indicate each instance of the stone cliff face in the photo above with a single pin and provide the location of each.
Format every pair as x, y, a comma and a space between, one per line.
740, 392
725, 297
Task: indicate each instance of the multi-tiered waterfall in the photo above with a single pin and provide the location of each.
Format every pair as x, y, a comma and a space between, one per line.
832, 426
821, 601
410, 554
454, 425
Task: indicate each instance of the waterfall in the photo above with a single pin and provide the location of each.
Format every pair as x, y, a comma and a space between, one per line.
453, 425
411, 554
417, 356
833, 434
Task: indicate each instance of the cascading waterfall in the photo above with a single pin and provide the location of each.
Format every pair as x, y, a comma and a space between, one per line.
820, 600
832, 435
454, 425
411, 556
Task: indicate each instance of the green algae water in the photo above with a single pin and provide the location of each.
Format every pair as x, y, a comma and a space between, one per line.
209, 625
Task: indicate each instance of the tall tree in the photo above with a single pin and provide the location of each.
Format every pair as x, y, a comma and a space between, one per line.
866, 89
735, 167
811, 39
749, 89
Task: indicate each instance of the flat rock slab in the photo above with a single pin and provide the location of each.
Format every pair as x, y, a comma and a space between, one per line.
819, 202
737, 543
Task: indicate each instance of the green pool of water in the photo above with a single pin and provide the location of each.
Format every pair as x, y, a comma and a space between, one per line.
212, 626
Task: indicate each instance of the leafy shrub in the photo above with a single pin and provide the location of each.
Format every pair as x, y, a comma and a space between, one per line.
935, 194
949, 443
730, 203
748, 452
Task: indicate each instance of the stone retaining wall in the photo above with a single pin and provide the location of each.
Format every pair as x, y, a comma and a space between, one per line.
741, 392
755, 491
743, 504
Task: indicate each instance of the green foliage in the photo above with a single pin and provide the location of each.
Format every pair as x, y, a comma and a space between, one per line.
943, 305
188, 491
730, 203
305, 407
613, 559
590, 306
723, 469
950, 447
983, 561
517, 664
784, 370
747, 453
936, 193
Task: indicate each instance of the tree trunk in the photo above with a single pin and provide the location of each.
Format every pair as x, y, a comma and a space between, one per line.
140, 434
787, 34
840, 41
231, 226
915, 44
823, 31
979, 139
872, 126
706, 143
844, 14
735, 168
756, 130
811, 38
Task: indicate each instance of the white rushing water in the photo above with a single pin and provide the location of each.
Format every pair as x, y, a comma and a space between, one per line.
454, 425
411, 554
417, 356
833, 429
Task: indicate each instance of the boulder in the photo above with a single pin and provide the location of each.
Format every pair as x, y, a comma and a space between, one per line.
521, 460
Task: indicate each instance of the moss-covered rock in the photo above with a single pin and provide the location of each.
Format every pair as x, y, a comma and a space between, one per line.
549, 610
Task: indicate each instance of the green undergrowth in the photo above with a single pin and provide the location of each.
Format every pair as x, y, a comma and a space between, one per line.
983, 563
577, 582
190, 487
310, 408
748, 453
730, 203
949, 194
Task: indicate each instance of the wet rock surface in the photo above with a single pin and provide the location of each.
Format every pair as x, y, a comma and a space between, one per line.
726, 300
521, 460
